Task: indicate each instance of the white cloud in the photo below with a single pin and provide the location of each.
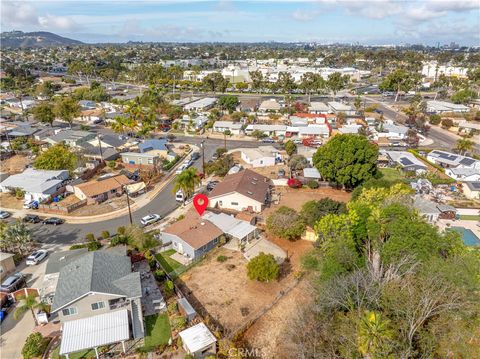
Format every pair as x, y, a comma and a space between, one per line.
54, 22
303, 15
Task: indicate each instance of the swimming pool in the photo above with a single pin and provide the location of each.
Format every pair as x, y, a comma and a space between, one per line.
469, 238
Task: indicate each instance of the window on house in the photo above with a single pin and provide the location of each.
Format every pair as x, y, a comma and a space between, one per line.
113, 191
150, 161
220, 203
234, 203
98, 305
69, 311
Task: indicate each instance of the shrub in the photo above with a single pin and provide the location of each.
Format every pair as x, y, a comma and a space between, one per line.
179, 323
294, 183
159, 274
263, 268
34, 346
112, 164
172, 308
93, 246
435, 119
19, 193
105, 234
312, 184
221, 259
286, 223
118, 240
77, 246
447, 123
90, 237
121, 230
169, 287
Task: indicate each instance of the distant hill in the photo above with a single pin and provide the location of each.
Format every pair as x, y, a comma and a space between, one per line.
20, 39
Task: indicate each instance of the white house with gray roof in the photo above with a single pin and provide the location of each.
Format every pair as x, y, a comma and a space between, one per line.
222, 126
97, 299
452, 160
38, 185
406, 161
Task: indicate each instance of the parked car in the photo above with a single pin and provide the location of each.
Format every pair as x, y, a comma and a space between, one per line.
150, 219
31, 218
4, 214
180, 169
179, 196
36, 257
215, 156
195, 156
53, 220
297, 141
281, 172
12, 283
30, 204
268, 140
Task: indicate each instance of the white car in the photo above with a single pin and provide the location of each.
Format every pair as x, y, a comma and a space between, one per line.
151, 218
4, 214
179, 196
180, 169
36, 257
297, 141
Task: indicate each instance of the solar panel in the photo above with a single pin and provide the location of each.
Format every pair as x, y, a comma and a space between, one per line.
447, 156
405, 161
467, 161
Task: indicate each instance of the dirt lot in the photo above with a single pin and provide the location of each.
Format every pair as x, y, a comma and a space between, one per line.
14, 164
105, 207
269, 332
9, 201
295, 198
224, 290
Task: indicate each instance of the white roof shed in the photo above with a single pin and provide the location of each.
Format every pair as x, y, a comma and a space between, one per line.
197, 338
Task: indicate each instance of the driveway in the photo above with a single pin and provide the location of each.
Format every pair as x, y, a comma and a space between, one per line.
15, 332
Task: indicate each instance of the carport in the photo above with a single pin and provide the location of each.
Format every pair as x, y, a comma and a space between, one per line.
94, 332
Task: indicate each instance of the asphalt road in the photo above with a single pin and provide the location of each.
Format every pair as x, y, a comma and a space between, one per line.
163, 204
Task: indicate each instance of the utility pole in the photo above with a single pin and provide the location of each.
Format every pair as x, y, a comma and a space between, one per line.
100, 147
202, 145
128, 205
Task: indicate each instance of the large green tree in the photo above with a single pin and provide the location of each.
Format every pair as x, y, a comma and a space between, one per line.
286, 223
337, 82
57, 157
347, 159
228, 102
44, 112
263, 268
67, 109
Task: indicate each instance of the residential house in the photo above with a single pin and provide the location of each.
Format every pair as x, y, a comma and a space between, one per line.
438, 107
203, 104
406, 161
222, 126
392, 132
198, 341
433, 211
468, 127
269, 106
196, 123
157, 147
307, 152
337, 107
99, 191
108, 141
72, 138
350, 129
261, 156
268, 130
315, 131
7, 265
136, 158
464, 174
92, 116
38, 185
97, 299
87, 105
319, 108
99, 153
243, 191
471, 190
451, 160
192, 236
233, 228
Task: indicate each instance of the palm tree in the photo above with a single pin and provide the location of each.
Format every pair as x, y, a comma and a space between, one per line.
29, 303
186, 182
118, 125
373, 334
464, 145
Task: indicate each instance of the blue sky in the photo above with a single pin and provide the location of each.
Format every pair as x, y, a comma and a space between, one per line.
324, 21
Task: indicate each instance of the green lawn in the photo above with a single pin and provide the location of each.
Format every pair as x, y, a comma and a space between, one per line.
470, 217
157, 331
168, 263
392, 174
86, 354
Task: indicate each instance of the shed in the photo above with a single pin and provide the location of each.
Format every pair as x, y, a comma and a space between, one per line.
186, 309
198, 341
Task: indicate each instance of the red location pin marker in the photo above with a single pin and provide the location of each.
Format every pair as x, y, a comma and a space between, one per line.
200, 202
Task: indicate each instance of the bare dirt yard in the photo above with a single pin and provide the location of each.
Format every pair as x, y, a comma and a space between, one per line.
105, 207
9, 200
268, 333
224, 291
296, 197
14, 164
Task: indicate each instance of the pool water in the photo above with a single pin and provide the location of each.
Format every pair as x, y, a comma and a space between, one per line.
469, 238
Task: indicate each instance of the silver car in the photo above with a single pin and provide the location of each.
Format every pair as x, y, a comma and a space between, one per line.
36, 257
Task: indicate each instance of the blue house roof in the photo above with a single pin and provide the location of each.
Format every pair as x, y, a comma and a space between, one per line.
149, 145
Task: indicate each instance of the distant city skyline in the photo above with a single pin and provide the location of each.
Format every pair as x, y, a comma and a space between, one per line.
372, 22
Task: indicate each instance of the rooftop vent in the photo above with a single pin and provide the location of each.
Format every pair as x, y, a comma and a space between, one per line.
250, 192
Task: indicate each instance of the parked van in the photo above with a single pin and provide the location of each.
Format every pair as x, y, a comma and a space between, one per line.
179, 196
